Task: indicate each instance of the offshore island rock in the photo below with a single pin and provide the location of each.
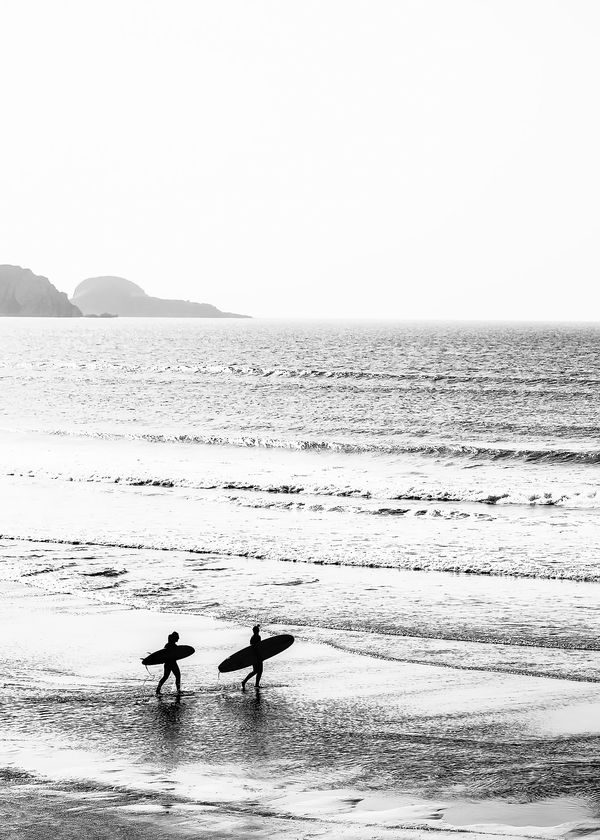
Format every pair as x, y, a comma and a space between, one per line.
23, 293
117, 296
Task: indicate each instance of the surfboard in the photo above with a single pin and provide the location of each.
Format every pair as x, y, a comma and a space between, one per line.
245, 658
159, 657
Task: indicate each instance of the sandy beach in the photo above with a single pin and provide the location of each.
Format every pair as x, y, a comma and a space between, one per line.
335, 743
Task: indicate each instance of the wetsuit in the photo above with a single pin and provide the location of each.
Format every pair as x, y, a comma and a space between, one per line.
255, 641
171, 667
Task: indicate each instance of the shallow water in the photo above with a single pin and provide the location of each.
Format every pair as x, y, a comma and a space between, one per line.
415, 745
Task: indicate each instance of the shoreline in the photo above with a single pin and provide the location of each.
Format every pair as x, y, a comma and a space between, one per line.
302, 688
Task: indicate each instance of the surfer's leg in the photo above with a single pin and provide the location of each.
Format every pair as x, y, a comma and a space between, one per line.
164, 678
246, 678
258, 669
177, 673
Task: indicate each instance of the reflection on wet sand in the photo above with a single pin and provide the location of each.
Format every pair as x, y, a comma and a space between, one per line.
331, 736
170, 729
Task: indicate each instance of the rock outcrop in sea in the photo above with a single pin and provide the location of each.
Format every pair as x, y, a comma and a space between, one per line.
117, 296
23, 293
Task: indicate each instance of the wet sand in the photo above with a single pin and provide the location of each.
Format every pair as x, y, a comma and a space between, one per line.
335, 744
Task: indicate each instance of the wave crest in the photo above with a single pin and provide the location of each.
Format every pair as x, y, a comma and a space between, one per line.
503, 378
441, 450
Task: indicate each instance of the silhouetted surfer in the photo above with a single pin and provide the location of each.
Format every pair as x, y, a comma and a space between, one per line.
171, 666
255, 641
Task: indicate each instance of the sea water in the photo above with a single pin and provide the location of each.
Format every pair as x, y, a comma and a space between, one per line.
417, 493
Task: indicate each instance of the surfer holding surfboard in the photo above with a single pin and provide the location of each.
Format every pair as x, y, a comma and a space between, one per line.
171, 665
168, 657
255, 655
257, 666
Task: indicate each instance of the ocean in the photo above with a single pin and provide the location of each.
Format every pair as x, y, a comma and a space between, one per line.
416, 502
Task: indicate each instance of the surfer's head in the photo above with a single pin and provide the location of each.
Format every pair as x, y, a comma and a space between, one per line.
174, 636
256, 628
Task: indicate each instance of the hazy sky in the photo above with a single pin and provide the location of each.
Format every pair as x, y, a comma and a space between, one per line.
388, 159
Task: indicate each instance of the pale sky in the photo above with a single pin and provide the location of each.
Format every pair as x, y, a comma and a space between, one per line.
435, 158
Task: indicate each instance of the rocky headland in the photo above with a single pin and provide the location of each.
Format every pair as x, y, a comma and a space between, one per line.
118, 296
23, 293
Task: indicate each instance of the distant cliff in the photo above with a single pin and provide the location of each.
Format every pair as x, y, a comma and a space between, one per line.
117, 296
24, 293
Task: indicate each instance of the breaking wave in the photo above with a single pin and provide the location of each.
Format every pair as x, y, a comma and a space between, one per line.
588, 499
441, 450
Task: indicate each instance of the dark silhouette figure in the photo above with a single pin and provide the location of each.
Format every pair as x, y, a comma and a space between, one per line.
255, 641
171, 666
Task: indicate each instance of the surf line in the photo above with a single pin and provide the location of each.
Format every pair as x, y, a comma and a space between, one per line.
261, 555
522, 672
442, 638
